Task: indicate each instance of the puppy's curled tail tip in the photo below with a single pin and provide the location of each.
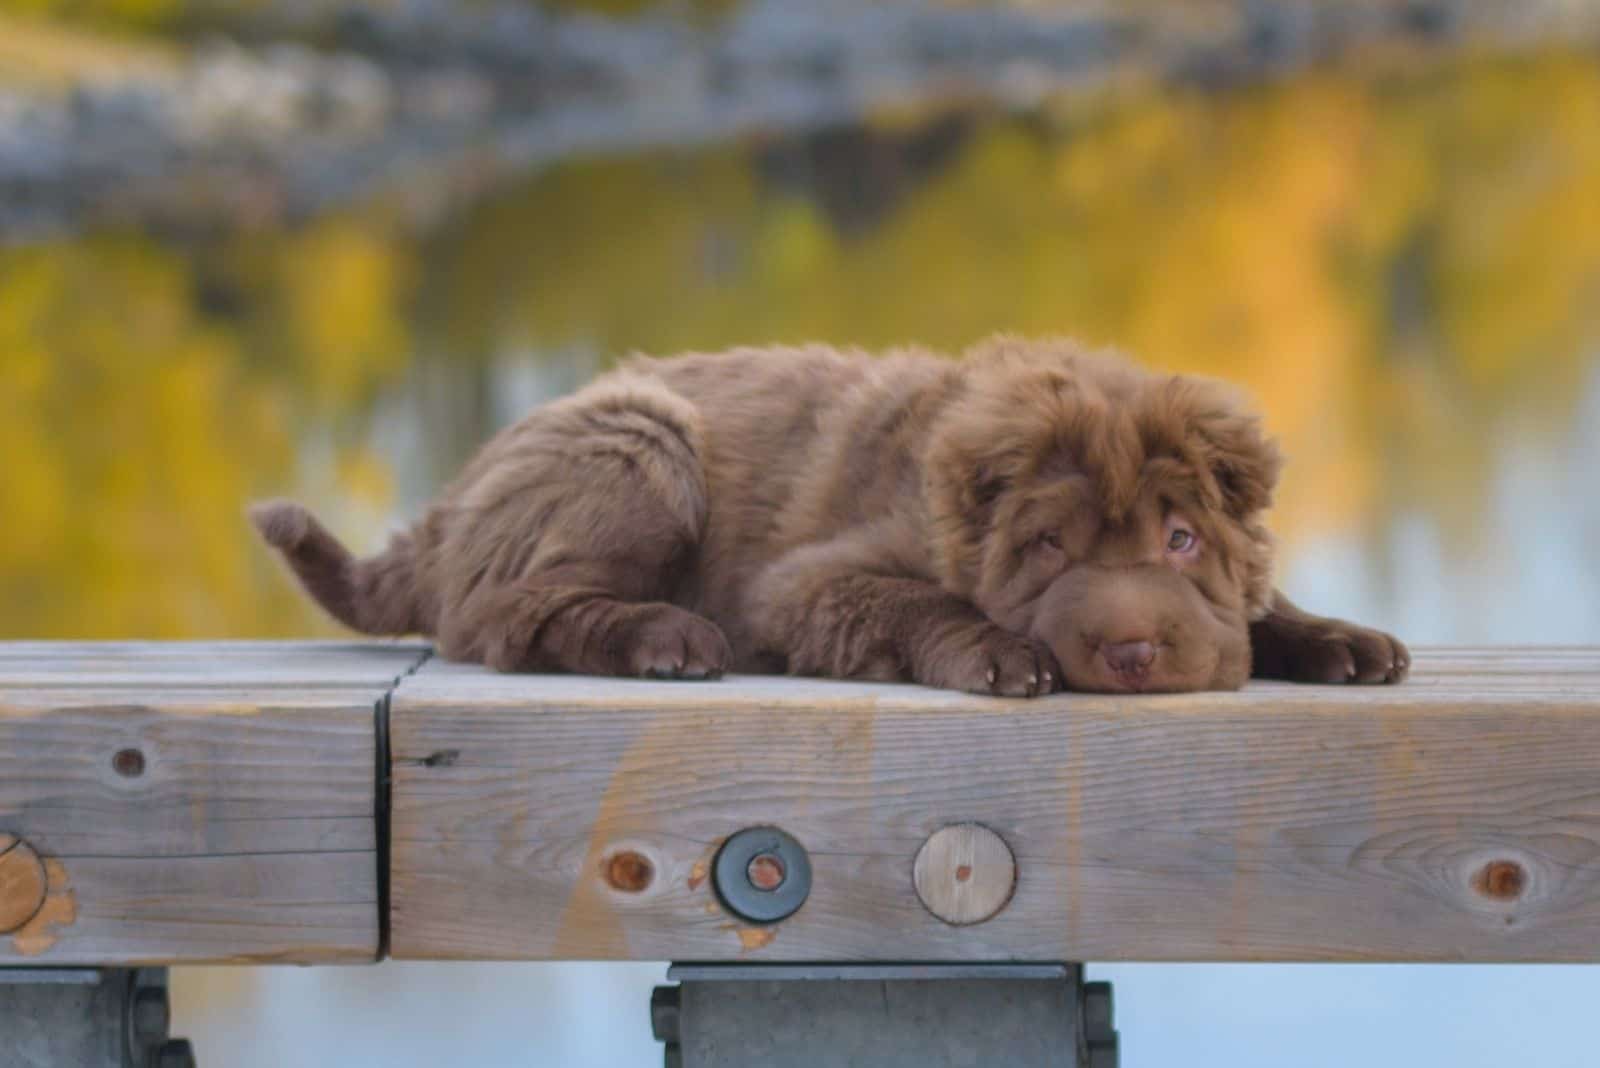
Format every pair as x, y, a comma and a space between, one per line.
283, 524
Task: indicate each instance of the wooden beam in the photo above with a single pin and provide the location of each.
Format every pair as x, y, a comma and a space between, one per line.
216, 802
1452, 818
195, 803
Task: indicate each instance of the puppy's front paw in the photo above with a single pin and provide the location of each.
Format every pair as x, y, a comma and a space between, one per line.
666, 642
1332, 651
990, 660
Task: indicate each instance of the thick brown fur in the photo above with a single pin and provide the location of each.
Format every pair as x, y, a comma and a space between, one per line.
1030, 517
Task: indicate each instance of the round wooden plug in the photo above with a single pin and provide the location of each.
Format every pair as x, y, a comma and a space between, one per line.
22, 883
964, 873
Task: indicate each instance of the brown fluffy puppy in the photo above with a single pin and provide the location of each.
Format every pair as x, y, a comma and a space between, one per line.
1028, 518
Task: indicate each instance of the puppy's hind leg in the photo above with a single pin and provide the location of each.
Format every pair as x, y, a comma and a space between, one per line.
561, 622
573, 534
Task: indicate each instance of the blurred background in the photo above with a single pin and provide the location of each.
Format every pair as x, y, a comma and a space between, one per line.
323, 249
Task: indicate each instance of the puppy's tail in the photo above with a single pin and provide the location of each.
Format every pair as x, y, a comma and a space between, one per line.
376, 595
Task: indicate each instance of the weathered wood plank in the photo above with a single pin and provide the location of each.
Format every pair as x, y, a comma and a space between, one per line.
190, 665
196, 803
1456, 817
367, 650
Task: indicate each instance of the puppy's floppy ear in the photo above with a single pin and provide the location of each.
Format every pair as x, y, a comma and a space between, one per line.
1241, 459
973, 458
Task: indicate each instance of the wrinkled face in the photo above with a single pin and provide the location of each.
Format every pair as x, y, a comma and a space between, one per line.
1147, 601
1112, 513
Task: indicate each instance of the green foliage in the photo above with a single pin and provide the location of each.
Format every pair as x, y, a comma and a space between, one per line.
139, 14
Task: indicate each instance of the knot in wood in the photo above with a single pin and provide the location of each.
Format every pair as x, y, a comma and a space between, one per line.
1501, 880
629, 871
22, 883
964, 873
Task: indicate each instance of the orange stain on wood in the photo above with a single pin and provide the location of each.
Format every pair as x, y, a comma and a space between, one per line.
697, 874
591, 925
753, 938
1072, 883
60, 909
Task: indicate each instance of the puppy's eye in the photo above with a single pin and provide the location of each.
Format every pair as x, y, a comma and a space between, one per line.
1051, 541
1180, 541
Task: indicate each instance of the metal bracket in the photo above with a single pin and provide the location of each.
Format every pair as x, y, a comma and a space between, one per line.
885, 1015
88, 1018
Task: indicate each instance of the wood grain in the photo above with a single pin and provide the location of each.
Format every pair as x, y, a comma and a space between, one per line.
196, 803
1452, 818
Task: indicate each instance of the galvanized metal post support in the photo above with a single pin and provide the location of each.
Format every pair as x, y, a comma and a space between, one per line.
88, 1018
888, 1016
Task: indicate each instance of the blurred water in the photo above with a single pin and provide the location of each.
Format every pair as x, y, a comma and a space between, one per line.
1402, 262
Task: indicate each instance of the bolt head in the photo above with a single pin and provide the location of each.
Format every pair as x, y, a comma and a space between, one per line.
664, 1002
152, 1015
766, 871
175, 1053
1097, 1012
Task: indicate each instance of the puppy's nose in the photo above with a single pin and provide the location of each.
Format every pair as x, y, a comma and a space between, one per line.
1131, 660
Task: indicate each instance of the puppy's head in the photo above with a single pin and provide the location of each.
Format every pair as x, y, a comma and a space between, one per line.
1112, 513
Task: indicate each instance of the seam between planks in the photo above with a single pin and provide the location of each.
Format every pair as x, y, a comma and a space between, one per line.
383, 780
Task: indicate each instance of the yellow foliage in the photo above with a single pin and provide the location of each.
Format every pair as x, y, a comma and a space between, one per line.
1267, 235
1390, 263
135, 431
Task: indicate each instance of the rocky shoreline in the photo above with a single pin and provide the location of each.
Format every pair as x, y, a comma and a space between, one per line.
431, 102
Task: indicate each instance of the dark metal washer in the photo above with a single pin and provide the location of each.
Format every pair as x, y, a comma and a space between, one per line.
730, 875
